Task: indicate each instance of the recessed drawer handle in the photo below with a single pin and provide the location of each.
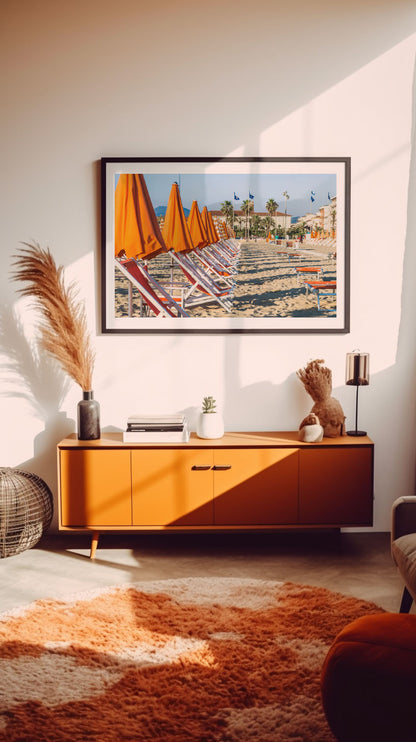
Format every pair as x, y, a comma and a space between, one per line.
200, 468
222, 468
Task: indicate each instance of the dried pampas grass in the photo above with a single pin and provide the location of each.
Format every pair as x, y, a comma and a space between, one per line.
317, 379
63, 325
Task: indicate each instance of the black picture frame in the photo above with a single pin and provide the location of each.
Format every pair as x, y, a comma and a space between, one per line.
273, 302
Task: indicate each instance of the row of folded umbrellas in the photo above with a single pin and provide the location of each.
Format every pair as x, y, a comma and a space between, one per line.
137, 230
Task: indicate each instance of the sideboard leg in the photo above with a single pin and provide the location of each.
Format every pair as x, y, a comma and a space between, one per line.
94, 543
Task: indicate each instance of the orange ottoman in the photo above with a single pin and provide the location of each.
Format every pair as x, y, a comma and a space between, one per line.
368, 680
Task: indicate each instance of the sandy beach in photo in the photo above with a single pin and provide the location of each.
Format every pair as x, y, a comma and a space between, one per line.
266, 283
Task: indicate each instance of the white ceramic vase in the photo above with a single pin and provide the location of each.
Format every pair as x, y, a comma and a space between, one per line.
210, 425
311, 433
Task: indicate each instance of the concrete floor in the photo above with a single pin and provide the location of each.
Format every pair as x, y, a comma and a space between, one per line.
356, 564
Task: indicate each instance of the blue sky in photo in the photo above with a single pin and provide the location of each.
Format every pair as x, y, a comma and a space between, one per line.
212, 189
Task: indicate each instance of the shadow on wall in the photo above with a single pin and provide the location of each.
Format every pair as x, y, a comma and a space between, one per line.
393, 420
399, 382
31, 375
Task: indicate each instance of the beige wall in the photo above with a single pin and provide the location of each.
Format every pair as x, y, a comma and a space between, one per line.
88, 79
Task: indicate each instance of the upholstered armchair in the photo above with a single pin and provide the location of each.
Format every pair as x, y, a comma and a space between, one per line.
369, 676
403, 546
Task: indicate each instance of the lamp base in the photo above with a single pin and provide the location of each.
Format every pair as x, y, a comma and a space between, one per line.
357, 433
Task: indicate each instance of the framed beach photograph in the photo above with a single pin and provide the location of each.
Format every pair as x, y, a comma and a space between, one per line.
225, 245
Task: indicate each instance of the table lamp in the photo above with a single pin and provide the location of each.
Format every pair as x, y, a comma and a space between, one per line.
357, 374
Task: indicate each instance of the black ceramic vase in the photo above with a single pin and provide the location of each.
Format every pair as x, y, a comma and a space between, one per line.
88, 417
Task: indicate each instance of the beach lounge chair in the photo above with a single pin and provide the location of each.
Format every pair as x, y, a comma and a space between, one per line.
201, 287
289, 255
224, 250
224, 254
233, 245
213, 262
219, 271
154, 296
320, 289
307, 272
180, 244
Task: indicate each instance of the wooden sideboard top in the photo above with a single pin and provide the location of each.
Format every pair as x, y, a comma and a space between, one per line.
286, 439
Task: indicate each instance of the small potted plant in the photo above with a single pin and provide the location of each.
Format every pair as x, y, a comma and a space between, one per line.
210, 422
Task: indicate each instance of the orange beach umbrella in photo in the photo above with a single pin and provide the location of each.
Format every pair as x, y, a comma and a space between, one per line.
175, 230
209, 226
137, 230
196, 227
222, 231
213, 227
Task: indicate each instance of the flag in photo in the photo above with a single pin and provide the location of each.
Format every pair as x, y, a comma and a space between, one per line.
250, 195
312, 199
236, 198
329, 196
313, 193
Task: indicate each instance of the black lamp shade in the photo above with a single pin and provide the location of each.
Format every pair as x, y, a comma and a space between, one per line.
357, 371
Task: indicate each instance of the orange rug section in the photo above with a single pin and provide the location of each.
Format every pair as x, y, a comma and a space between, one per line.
200, 659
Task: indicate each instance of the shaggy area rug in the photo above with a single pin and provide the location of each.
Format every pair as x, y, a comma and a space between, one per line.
210, 659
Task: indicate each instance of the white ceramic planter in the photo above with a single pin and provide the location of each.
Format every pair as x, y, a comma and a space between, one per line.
210, 425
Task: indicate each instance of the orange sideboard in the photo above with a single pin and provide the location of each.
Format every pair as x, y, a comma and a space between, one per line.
266, 480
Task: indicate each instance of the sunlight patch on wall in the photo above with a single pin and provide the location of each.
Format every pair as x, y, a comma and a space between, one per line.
367, 116
355, 115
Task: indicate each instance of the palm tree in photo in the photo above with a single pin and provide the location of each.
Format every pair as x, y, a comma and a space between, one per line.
256, 224
301, 230
271, 206
246, 207
268, 223
227, 210
333, 217
286, 195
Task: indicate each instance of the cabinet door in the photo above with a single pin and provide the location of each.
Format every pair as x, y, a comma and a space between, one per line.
172, 487
255, 486
336, 486
95, 487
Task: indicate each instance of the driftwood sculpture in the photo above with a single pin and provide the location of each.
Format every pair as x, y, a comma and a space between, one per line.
317, 380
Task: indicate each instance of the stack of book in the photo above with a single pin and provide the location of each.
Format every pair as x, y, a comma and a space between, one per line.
156, 429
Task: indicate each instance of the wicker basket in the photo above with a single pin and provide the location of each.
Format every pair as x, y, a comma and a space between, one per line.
26, 508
